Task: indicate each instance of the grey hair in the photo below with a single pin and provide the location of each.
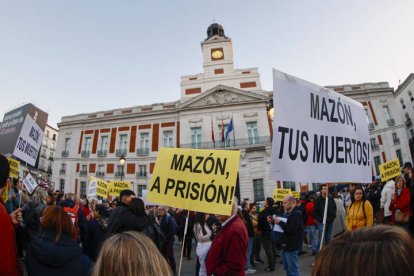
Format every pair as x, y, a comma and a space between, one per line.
290, 198
39, 196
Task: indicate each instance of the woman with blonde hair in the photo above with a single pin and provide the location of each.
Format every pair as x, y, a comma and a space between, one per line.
128, 254
400, 204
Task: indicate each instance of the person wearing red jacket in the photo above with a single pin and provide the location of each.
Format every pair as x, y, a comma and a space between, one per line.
310, 223
400, 204
9, 261
227, 255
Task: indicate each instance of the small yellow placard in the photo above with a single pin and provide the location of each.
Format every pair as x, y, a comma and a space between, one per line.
390, 169
197, 180
115, 187
97, 187
279, 194
14, 167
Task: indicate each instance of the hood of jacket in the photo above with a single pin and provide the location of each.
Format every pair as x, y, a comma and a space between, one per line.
54, 254
389, 185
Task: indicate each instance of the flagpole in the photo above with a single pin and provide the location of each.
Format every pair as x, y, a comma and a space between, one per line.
234, 132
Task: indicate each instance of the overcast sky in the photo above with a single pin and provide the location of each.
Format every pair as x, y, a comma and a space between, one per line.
70, 57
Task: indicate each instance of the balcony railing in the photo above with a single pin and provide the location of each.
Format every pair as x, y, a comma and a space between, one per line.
119, 174
100, 173
396, 141
371, 126
391, 122
141, 174
120, 152
62, 171
85, 153
51, 158
375, 147
237, 143
408, 123
83, 172
43, 155
102, 153
143, 152
65, 153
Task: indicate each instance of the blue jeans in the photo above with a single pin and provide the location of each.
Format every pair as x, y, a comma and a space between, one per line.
311, 231
328, 233
249, 252
290, 263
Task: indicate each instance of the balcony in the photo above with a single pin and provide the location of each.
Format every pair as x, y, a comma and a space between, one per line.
391, 122
408, 123
396, 141
85, 153
141, 174
143, 152
65, 153
62, 171
120, 152
231, 144
50, 158
119, 174
102, 153
43, 155
371, 126
100, 173
375, 147
83, 173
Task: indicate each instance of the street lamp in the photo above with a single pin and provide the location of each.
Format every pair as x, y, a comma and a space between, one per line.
270, 110
122, 163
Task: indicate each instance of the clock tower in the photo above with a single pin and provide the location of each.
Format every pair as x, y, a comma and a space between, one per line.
218, 67
217, 52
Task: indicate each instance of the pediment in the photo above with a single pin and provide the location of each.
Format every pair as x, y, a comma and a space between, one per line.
222, 95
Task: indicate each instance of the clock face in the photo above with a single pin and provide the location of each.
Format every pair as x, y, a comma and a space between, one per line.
217, 54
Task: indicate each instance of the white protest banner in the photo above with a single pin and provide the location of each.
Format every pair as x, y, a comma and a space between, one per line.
29, 183
318, 135
29, 141
97, 187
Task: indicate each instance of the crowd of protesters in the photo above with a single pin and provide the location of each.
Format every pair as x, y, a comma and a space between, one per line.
51, 233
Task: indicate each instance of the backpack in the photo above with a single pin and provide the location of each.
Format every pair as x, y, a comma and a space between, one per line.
73, 215
31, 217
155, 233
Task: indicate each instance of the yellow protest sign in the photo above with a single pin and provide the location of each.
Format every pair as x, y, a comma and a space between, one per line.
279, 194
97, 187
115, 187
5, 194
197, 180
296, 194
390, 169
14, 167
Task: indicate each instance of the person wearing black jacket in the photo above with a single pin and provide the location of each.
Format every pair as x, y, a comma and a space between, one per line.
409, 180
293, 234
250, 231
125, 198
265, 228
318, 212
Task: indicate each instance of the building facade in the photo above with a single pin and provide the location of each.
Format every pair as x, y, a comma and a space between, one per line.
47, 153
385, 121
92, 144
404, 99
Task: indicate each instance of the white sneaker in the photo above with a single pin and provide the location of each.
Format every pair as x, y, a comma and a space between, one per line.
250, 271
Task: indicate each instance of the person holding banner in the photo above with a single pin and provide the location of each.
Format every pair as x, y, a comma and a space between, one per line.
400, 204
318, 214
360, 212
227, 255
9, 261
